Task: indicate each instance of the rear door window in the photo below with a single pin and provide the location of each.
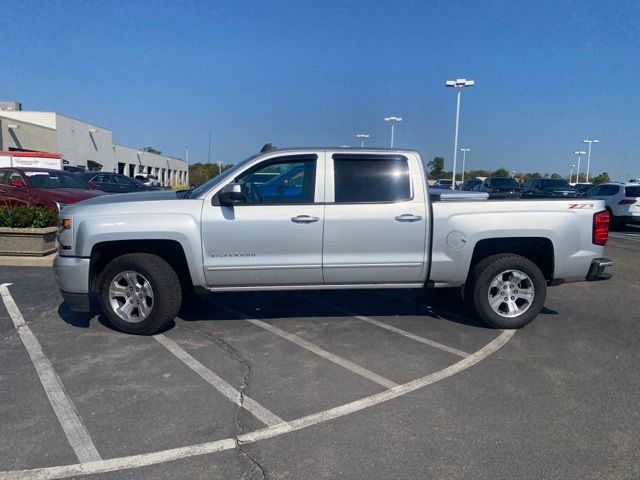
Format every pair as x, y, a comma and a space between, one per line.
632, 191
101, 179
371, 178
609, 190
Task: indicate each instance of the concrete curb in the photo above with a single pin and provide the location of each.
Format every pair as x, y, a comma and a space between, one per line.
13, 261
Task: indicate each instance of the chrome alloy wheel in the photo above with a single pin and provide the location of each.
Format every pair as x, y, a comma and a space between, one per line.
511, 293
131, 296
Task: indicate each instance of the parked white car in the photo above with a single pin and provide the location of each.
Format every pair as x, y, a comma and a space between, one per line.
621, 200
148, 179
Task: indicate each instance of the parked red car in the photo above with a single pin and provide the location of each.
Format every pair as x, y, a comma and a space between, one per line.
41, 186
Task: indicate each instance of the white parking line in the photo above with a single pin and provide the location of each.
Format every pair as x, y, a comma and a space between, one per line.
77, 434
154, 458
253, 407
391, 328
301, 342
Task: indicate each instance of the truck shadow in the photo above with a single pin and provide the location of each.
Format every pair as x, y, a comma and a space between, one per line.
441, 305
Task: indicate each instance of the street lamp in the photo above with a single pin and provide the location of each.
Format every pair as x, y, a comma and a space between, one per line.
458, 84
579, 154
464, 159
571, 172
362, 137
392, 121
589, 155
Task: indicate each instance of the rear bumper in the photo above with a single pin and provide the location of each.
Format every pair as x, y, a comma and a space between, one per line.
596, 271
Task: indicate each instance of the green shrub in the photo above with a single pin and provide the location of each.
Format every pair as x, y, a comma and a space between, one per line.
28, 216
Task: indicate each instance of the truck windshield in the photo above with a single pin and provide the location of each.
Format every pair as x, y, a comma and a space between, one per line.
55, 180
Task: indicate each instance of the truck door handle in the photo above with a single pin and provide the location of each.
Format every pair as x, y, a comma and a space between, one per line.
304, 219
408, 217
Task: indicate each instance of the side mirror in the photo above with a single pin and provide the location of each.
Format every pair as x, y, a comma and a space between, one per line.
230, 194
93, 186
17, 184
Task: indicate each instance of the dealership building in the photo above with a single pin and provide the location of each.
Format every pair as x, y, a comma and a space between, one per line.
83, 144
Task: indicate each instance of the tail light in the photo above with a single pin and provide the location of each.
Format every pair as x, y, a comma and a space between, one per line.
600, 228
626, 201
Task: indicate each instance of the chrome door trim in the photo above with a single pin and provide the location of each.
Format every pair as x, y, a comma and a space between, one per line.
350, 286
261, 267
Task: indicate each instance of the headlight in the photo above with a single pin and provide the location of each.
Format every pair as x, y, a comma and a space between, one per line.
64, 223
65, 233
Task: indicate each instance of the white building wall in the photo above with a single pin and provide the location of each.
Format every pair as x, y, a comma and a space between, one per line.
44, 119
158, 165
79, 142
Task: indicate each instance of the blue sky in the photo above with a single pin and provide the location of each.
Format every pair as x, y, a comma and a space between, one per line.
548, 74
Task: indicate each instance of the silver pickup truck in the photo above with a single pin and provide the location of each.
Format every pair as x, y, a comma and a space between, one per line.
323, 218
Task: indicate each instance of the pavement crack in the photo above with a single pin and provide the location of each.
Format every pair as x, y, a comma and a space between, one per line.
235, 354
254, 462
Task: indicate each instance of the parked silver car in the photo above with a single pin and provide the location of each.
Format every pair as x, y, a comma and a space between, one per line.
621, 200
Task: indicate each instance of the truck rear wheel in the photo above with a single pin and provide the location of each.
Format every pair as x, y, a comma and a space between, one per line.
507, 291
140, 293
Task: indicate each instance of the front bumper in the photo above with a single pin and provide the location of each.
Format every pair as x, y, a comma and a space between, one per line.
78, 302
596, 271
72, 276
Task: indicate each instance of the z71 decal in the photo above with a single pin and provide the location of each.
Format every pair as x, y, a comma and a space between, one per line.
581, 206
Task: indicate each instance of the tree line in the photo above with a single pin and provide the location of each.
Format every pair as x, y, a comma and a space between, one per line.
201, 172
437, 171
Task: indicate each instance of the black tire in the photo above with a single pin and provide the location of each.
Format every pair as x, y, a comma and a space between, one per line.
479, 286
165, 284
614, 222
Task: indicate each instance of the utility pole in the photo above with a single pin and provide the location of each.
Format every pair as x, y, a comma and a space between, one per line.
392, 120
464, 159
458, 84
589, 155
362, 137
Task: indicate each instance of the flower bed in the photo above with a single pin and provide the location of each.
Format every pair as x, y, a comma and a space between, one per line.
28, 231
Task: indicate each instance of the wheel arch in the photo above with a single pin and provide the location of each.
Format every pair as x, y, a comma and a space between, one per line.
169, 250
539, 250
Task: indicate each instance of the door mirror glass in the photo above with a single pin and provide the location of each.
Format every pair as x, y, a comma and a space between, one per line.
230, 194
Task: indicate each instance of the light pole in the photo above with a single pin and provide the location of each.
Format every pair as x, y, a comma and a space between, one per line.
458, 84
392, 121
464, 159
571, 172
589, 155
579, 154
362, 137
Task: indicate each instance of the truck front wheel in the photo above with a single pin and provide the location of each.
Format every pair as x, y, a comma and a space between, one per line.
140, 293
507, 291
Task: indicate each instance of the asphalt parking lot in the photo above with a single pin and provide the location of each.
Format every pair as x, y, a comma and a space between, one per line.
350, 385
